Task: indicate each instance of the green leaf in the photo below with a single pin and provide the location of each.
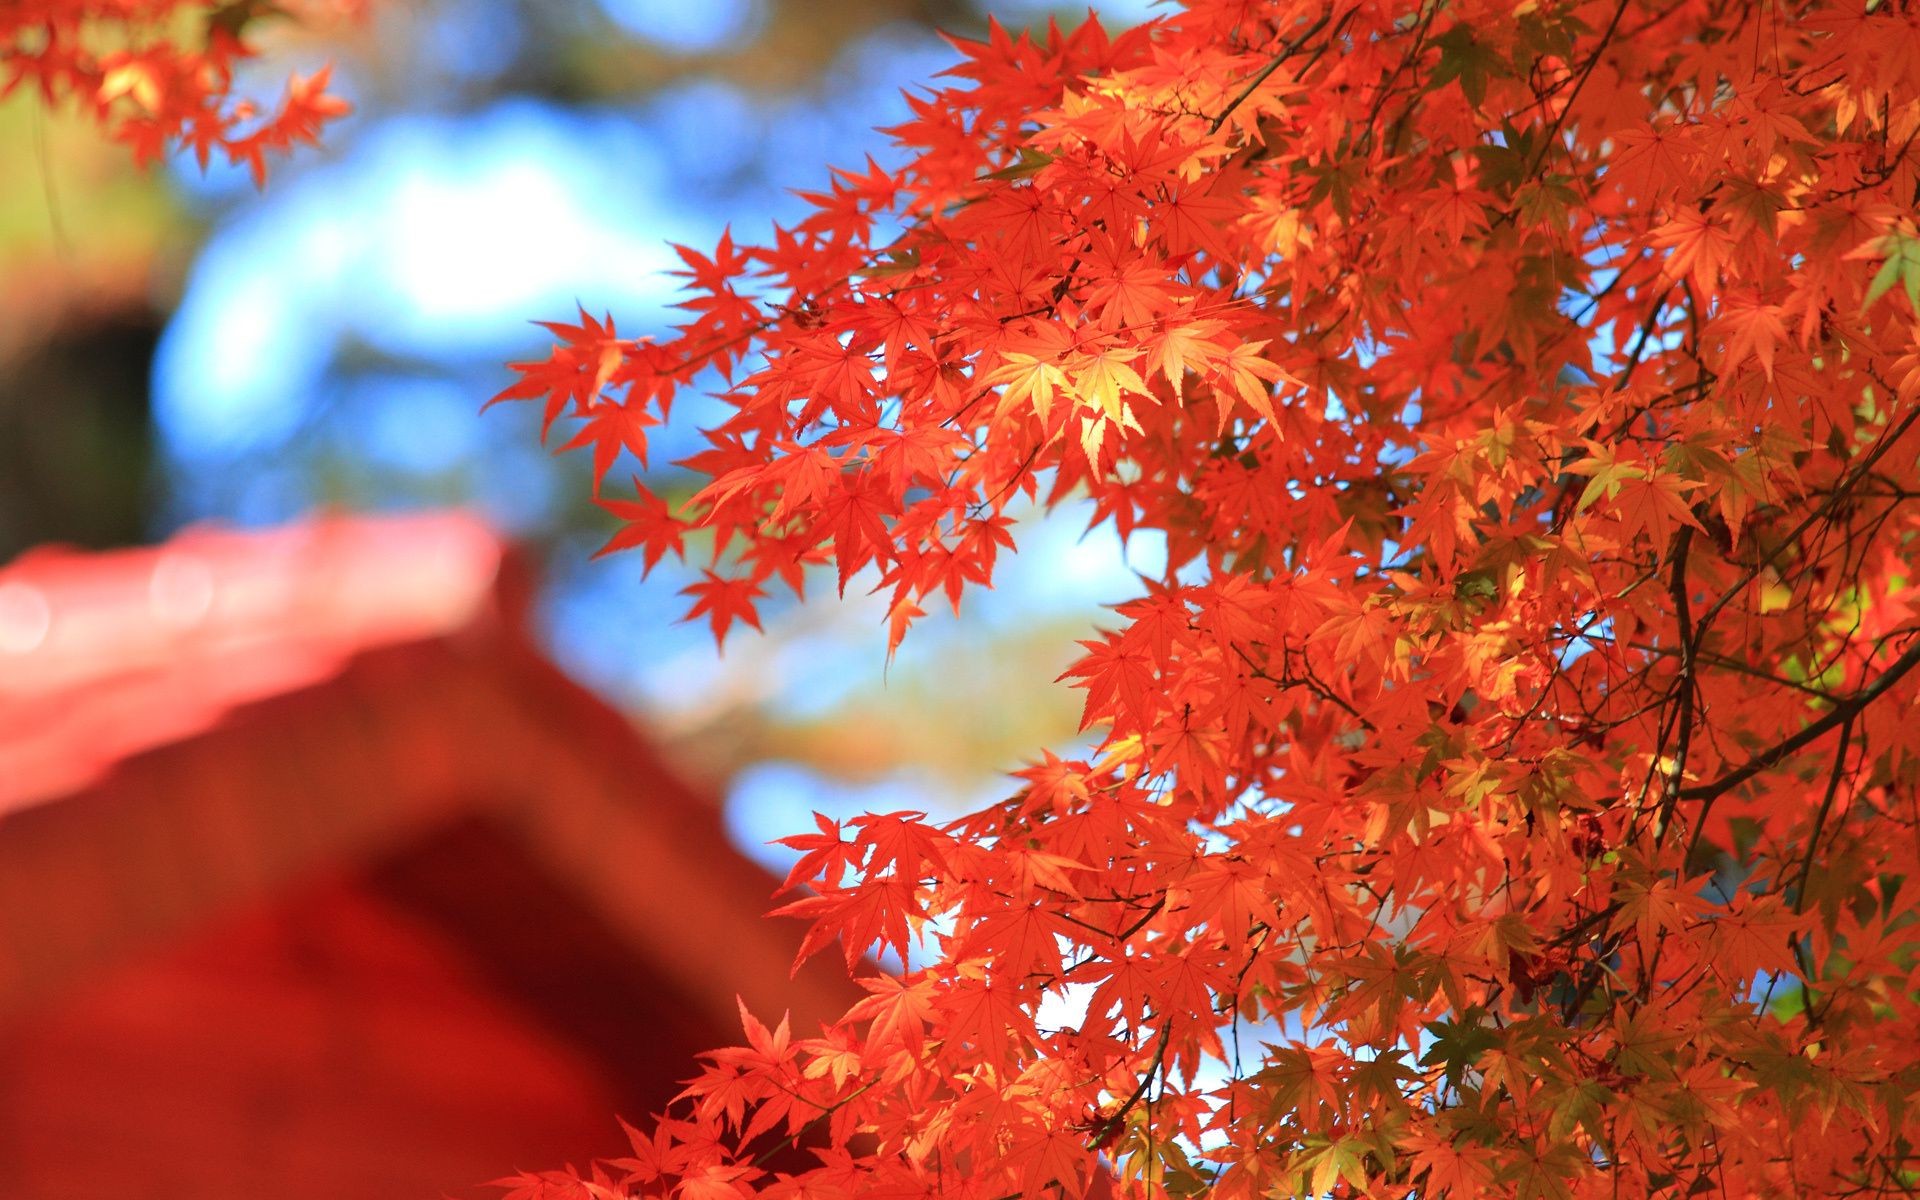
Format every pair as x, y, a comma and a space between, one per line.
894, 263
1030, 161
1902, 264
1583, 1106
1468, 62
1459, 1045
1330, 1163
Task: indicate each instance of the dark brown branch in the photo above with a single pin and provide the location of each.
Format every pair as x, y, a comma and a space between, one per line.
1286, 52
1560, 121
1111, 1125
1820, 818
1842, 713
1684, 688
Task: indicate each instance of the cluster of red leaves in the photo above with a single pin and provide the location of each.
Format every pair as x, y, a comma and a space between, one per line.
124, 63
1511, 786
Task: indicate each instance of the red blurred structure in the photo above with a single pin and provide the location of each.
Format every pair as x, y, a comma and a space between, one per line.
317, 880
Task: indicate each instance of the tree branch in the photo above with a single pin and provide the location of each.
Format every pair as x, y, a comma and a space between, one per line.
1684, 687
1286, 52
1842, 713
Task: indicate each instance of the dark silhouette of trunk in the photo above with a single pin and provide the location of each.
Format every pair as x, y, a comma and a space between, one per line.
76, 434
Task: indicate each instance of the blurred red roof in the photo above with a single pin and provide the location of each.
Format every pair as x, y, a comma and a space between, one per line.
106, 655
318, 879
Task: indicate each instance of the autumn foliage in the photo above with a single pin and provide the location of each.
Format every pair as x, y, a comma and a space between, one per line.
1511, 787
159, 74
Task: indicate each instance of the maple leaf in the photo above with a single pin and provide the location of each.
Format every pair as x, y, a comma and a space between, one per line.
1027, 378
1651, 909
1303, 1079
611, 428
1055, 782
901, 843
1752, 331
724, 601
855, 514
1185, 345
655, 1154
1021, 937
1652, 159
1114, 673
552, 1185
1448, 1169
1697, 246
1128, 289
712, 273
1753, 937
1049, 1158
825, 855
1103, 379
650, 527
834, 1058
1029, 370
879, 912
1342, 1160
1654, 504
715, 1181
1899, 252
1246, 372
578, 369
900, 615
899, 1010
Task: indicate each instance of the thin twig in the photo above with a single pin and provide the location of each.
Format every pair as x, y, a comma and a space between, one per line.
1286, 52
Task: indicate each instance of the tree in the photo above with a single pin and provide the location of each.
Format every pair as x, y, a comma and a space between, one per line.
1510, 787
160, 73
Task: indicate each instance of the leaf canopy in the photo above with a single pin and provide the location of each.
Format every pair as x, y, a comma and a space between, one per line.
1510, 788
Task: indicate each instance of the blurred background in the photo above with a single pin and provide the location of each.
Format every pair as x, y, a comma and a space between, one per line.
177, 348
